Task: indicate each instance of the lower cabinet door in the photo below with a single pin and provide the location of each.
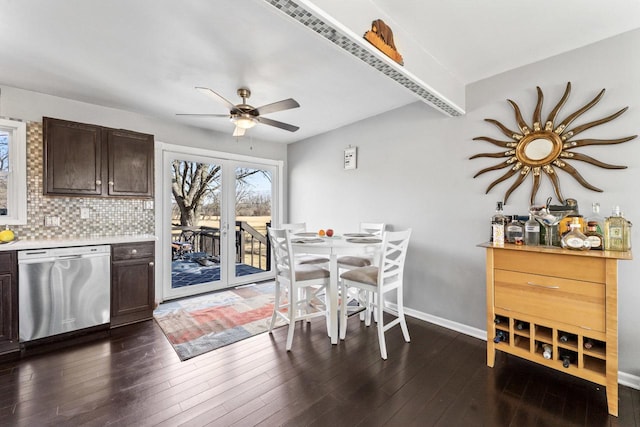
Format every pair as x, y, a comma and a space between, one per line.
132, 291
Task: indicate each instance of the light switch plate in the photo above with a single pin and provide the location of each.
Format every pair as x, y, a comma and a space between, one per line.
148, 204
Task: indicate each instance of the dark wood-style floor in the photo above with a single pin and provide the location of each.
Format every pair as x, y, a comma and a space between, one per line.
135, 378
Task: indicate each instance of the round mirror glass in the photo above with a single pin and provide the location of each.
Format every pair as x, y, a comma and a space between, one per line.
538, 149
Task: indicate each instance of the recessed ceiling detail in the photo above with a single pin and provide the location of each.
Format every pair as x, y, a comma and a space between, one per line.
365, 53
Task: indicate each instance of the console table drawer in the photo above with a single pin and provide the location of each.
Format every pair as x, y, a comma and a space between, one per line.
570, 301
569, 267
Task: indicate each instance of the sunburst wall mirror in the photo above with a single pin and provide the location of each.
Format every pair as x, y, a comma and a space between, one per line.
545, 148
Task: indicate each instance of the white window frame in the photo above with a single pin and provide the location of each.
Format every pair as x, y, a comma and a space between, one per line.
17, 178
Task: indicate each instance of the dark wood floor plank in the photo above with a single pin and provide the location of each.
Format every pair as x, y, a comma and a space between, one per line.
133, 377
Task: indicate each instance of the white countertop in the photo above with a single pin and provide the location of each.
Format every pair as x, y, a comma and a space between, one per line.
18, 244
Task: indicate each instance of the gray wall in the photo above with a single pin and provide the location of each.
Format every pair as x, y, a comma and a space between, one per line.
414, 171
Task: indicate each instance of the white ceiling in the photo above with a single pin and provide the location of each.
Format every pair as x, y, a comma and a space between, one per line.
147, 56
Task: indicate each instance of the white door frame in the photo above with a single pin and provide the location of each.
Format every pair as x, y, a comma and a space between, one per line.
163, 209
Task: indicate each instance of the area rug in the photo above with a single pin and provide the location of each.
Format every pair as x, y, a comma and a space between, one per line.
199, 324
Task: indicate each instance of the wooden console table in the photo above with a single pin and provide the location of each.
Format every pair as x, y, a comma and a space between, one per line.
550, 300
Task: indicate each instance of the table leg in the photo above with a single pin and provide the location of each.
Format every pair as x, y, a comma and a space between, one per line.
333, 298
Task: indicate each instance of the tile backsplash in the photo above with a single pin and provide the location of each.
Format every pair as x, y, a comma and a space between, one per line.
106, 216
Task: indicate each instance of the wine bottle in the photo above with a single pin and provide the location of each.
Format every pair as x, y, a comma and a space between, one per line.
500, 336
547, 351
588, 343
521, 326
564, 337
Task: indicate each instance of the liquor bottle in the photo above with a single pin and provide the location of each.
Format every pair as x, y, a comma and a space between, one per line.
531, 232
514, 231
574, 239
498, 223
546, 351
595, 216
594, 236
497, 320
564, 337
588, 343
522, 326
615, 231
567, 357
627, 240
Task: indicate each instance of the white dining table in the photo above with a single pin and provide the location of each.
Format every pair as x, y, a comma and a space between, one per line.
334, 247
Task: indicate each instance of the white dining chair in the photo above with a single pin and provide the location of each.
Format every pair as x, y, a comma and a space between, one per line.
303, 285
352, 261
386, 276
301, 227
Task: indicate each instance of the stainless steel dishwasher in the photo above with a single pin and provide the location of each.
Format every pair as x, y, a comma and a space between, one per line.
63, 290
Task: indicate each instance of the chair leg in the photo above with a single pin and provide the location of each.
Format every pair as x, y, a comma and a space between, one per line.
379, 311
276, 308
403, 322
293, 308
343, 311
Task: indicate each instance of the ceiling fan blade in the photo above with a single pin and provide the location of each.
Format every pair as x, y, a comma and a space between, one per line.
217, 97
202, 115
238, 131
285, 104
285, 126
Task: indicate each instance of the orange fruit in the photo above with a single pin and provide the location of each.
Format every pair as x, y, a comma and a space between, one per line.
321, 232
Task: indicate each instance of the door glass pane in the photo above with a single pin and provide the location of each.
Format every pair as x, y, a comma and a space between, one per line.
195, 223
253, 216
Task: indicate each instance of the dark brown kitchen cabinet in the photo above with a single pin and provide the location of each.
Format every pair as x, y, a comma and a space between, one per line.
132, 283
89, 160
8, 302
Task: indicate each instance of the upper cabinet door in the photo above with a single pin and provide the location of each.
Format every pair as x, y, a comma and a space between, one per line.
89, 160
130, 163
72, 158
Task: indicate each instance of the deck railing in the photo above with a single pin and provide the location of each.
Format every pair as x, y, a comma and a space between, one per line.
251, 246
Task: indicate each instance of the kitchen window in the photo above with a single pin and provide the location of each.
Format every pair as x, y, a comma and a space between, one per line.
13, 172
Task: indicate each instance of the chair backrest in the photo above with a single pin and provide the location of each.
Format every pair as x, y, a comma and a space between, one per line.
281, 247
295, 227
372, 227
393, 255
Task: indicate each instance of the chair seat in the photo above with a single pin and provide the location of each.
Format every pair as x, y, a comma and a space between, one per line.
354, 261
368, 275
311, 259
309, 272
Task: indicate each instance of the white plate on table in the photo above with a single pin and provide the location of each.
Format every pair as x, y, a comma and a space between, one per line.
363, 240
306, 234
358, 235
315, 240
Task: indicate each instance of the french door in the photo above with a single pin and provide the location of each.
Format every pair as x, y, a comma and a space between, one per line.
215, 216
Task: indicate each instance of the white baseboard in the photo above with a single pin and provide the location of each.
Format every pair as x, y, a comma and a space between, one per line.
624, 379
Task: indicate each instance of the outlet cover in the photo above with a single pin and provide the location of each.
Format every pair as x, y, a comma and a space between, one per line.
148, 204
52, 221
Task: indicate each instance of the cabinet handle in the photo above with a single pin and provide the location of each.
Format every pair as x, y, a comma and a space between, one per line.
134, 251
151, 264
98, 182
586, 327
110, 182
542, 286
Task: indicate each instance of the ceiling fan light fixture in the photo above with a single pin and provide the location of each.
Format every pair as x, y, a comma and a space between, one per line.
243, 121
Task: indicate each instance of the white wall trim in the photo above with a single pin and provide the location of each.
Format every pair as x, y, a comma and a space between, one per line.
624, 379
